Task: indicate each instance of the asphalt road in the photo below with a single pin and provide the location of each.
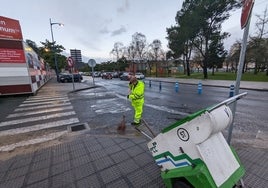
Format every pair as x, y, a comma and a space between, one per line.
251, 110
103, 107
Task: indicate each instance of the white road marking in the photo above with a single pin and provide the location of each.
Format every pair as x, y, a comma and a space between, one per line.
42, 103
109, 106
40, 107
41, 139
39, 112
35, 106
31, 119
39, 127
44, 99
161, 108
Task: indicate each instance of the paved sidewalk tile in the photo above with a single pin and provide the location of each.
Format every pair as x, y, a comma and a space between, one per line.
98, 161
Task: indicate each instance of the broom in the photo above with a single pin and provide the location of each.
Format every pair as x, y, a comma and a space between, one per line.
122, 126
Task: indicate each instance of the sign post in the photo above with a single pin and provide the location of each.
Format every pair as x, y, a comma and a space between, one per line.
92, 64
245, 22
70, 62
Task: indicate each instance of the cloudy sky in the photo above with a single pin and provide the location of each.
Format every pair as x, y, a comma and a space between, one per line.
93, 26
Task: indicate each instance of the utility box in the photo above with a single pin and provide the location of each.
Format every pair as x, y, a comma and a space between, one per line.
193, 152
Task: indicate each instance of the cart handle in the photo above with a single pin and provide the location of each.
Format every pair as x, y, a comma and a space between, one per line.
228, 101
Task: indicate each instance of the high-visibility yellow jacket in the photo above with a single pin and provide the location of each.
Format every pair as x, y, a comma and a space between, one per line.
137, 92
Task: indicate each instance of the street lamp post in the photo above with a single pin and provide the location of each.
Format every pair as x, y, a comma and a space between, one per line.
54, 50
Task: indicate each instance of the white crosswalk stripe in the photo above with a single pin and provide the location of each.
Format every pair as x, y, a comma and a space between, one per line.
39, 112
42, 103
39, 127
38, 100
30, 119
42, 113
43, 106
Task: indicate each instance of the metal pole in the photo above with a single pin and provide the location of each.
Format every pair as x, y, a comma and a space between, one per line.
54, 51
239, 75
72, 69
93, 75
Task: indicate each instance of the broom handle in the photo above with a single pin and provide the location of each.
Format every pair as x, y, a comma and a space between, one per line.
146, 125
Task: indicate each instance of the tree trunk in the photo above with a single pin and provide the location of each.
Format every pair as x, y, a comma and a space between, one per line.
205, 71
156, 69
184, 65
255, 69
188, 67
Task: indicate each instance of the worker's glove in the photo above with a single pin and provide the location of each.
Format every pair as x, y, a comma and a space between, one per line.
128, 96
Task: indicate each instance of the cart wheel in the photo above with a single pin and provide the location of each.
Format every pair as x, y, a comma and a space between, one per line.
181, 184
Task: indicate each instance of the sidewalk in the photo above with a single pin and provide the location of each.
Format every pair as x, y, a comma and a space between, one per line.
260, 86
106, 161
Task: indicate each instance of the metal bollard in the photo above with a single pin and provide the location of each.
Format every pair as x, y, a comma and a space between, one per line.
199, 88
176, 87
160, 86
231, 94
150, 83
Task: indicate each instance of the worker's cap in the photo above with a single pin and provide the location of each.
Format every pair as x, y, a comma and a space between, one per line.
133, 79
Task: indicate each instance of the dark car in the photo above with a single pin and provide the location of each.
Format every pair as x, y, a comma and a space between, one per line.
107, 75
69, 78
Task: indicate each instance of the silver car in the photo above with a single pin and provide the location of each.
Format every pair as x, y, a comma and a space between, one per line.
139, 76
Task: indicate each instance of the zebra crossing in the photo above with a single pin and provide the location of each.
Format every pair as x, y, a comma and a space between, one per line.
41, 118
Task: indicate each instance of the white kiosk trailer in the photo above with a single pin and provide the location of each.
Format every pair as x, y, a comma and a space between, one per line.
22, 71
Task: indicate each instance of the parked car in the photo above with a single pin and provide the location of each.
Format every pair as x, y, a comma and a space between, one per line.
107, 75
115, 74
97, 74
69, 78
139, 75
126, 76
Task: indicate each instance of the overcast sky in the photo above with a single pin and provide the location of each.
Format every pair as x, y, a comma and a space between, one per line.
93, 26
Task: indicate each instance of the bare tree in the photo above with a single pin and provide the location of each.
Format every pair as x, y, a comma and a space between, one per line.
261, 24
257, 44
233, 56
139, 44
135, 52
156, 53
118, 50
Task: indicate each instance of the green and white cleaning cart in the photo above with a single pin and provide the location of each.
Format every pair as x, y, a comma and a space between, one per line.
194, 153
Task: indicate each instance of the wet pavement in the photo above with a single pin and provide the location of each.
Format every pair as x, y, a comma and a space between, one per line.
92, 159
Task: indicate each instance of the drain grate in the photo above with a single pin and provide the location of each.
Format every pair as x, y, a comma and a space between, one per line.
77, 127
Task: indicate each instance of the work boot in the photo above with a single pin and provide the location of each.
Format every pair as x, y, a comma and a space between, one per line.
136, 123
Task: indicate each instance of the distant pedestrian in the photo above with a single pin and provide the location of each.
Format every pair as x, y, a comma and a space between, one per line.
136, 96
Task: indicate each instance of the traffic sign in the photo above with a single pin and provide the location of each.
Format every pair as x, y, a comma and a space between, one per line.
246, 12
91, 63
70, 61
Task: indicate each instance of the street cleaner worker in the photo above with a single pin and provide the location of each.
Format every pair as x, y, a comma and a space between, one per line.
136, 97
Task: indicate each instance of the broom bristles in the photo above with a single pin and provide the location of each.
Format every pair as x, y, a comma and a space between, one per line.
122, 125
